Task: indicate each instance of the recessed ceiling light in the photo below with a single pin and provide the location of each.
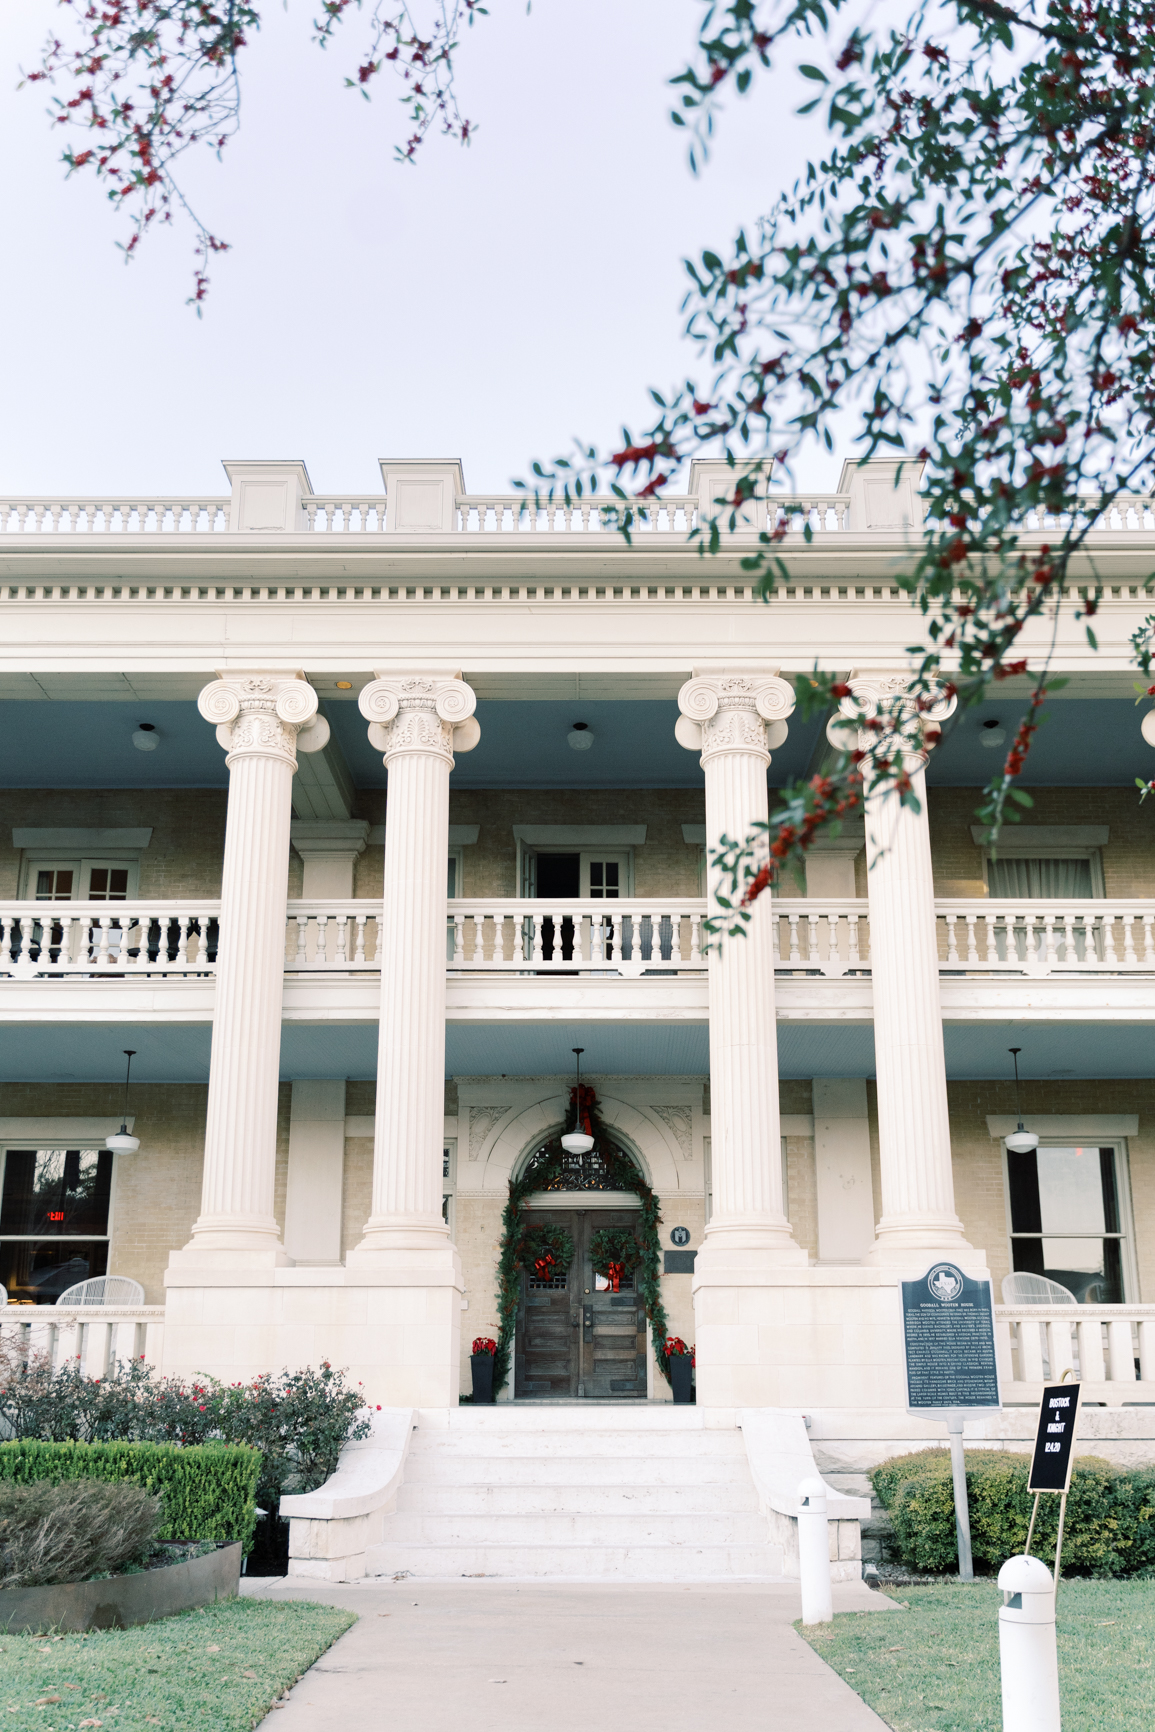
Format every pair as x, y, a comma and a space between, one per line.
146, 738
993, 733
580, 737
344, 685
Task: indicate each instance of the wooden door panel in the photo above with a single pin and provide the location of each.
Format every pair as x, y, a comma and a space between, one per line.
572, 1340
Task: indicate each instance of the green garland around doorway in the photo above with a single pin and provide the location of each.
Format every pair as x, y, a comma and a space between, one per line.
517, 1240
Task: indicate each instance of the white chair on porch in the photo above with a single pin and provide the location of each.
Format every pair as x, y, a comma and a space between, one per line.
1024, 1289
104, 1290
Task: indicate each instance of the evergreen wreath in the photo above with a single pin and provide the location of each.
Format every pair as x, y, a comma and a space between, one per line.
538, 1176
543, 1244
615, 1245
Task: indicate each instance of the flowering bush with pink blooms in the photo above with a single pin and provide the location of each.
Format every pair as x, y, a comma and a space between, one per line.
297, 1419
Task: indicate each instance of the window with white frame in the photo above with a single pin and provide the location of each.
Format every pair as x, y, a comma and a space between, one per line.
1069, 1213
449, 1182
75, 879
1045, 862
54, 1221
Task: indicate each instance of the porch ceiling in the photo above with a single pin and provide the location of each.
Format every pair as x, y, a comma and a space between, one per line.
65, 741
179, 1052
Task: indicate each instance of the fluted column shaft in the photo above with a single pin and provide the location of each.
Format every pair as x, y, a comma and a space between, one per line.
417, 722
918, 1209
259, 719
735, 718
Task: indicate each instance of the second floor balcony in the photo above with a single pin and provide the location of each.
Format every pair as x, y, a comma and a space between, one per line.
105, 943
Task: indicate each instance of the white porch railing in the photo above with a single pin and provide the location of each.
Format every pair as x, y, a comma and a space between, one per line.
132, 939
634, 937
1111, 1349
480, 513
39, 939
95, 1336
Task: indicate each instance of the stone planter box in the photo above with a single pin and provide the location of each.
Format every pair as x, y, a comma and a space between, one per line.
123, 1600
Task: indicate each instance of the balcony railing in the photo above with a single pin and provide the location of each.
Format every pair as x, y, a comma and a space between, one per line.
671, 514
1110, 1348
92, 1336
639, 936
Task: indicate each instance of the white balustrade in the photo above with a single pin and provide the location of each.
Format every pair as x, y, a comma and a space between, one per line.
818, 938
105, 939
113, 516
1111, 1347
340, 937
599, 937
1046, 937
95, 1337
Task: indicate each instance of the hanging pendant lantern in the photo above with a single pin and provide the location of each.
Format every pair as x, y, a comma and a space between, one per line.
1020, 1142
577, 1142
123, 1142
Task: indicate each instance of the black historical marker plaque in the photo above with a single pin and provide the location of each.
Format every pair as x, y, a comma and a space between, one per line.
1055, 1438
949, 1337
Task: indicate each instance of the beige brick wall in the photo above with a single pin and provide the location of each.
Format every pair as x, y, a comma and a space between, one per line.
1128, 858
156, 1192
188, 831
664, 866
977, 1158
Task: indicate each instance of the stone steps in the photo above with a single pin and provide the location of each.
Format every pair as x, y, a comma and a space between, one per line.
575, 1496
644, 1493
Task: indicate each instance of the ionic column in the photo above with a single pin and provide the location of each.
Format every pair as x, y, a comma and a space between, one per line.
417, 721
262, 721
734, 719
918, 1210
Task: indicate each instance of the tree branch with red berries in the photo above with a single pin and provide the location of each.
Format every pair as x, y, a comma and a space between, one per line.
966, 273
143, 82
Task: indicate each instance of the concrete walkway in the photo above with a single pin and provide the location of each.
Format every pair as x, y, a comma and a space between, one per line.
507, 1656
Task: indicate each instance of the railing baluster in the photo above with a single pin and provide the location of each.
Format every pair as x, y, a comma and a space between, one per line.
951, 940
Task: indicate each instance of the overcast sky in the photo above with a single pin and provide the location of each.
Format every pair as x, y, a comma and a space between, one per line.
487, 304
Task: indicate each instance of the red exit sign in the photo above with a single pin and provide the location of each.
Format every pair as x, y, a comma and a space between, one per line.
56, 1214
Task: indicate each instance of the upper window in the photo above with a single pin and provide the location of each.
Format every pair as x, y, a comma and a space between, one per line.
1052, 879
78, 880
1067, 1219
577, 1173
54, 1210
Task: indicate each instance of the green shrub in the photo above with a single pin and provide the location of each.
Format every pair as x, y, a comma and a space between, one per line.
297, 1419
207, 1491
70, 1531
1109, 1529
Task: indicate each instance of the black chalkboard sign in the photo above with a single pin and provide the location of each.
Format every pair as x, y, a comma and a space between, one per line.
949, 1337
1055, 1438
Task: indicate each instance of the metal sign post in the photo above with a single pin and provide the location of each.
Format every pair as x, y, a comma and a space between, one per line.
1053, 1459
948, 1338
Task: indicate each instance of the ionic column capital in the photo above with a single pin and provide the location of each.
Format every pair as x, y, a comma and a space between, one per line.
420, 714
264, 715
911, 720
734, 713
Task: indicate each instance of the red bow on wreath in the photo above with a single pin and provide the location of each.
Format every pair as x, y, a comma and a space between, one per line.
543, 1267
614, 1273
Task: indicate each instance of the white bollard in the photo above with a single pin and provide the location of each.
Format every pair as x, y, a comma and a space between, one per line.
1028, 1654
814, 1553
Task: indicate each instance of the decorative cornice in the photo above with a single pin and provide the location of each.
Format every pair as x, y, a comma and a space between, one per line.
264, 715
734, 712
423, 714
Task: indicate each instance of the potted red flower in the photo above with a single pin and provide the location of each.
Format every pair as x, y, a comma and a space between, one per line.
481, 1359
680, 1362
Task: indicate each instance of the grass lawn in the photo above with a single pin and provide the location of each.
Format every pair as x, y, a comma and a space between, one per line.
218, 1670
935, 1667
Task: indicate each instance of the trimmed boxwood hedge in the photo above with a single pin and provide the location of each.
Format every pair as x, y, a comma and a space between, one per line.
208, 1490
1109, 1530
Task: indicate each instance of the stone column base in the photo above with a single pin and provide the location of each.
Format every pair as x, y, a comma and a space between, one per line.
398, 1337
801, 1338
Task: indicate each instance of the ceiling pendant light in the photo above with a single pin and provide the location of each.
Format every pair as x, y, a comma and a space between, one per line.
123, 1142
1020, 1142
577, 1142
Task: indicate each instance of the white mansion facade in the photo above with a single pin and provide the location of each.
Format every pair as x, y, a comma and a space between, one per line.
249, 744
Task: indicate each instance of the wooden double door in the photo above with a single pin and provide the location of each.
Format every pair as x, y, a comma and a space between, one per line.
572, 1339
